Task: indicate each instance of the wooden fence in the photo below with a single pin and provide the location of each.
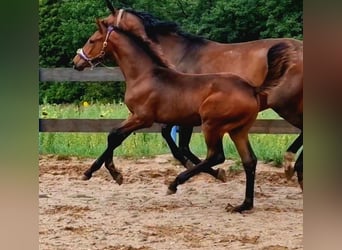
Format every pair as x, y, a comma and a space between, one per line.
99, 74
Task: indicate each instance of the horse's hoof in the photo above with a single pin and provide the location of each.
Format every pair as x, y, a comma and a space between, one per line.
289, 172
238, 209
301, 185
170, 191
221, 175
288, 164
188, 164
85, 177
119, 179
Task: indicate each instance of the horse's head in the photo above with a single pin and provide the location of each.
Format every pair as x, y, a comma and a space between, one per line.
140, 24
95, 48
125, 20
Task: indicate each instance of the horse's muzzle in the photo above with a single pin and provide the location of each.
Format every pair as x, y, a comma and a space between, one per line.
78, 67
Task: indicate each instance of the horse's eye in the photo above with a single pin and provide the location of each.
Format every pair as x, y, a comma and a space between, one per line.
91, 41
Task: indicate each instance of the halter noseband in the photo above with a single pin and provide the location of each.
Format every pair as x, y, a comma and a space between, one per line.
91, 60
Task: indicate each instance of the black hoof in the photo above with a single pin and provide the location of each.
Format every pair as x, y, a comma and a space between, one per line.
118, 178
172, 189
238, 209
86, 177
188, 164
221, 175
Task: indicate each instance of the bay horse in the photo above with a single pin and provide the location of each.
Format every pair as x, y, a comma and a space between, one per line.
192, 54
220, 102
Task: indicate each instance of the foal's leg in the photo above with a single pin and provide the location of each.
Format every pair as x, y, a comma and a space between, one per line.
114, 139
184, 139
290, 156
249, 162
215, 156
184, 142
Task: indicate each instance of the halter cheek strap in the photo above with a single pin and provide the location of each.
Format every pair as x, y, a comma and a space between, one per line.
118, 19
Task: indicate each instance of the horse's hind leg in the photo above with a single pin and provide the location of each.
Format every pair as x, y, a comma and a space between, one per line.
249, 162
183, 149
184, 142
290, 156
215, 156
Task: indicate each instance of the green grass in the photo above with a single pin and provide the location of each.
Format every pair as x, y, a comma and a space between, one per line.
268, 148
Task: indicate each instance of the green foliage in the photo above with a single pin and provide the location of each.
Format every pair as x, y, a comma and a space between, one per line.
52, 92
65, 25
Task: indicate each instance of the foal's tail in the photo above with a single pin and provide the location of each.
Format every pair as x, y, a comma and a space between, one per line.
279, 58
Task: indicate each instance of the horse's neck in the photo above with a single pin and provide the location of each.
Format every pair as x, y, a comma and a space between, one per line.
133, 62
173, 47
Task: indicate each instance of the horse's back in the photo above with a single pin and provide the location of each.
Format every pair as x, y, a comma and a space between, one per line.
247, 59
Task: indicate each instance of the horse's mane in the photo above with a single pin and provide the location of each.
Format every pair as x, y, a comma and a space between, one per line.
154, 26
143, 45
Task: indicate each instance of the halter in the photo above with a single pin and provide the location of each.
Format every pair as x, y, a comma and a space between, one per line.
91, 60
118, 19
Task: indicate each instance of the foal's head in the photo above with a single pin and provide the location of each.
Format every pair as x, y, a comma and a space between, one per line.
110, 40
95, 48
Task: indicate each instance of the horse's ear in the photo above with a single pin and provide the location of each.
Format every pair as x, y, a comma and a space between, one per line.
100, 25
110, 6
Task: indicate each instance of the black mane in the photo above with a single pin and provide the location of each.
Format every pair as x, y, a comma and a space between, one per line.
144, 45
155, 26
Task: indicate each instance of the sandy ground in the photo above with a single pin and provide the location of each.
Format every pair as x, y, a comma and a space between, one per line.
138, 215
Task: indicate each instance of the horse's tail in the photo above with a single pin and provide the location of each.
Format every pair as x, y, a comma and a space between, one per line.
279, 58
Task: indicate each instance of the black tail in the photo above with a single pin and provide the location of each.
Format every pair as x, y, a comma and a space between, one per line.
279, 58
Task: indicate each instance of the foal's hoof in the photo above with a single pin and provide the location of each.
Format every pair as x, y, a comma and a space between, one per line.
238, 209
119, 178
85, 177
221, 175
172, 189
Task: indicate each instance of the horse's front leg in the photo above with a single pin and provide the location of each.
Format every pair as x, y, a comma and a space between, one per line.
185, 134
114, 139
176, 152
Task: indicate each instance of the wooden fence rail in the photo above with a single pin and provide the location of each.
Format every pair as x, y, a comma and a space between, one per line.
99, 74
